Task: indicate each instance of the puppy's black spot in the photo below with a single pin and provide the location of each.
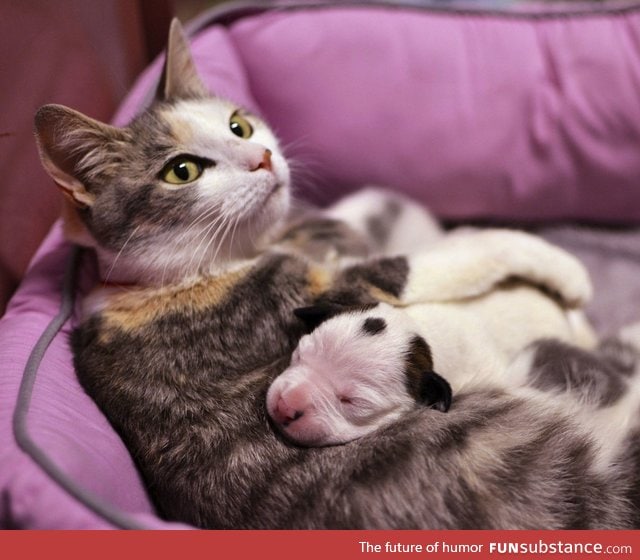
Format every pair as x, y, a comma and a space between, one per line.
418, 360
374, 325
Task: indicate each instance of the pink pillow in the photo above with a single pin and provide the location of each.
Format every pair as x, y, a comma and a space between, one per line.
479, 117
525, 118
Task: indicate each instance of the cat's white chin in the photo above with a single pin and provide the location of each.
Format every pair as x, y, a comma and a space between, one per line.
271, 212
170, 258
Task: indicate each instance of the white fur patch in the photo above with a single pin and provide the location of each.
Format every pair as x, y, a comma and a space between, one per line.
344, 381
470, 264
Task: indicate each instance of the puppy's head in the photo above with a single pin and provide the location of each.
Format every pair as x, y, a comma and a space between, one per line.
356, 371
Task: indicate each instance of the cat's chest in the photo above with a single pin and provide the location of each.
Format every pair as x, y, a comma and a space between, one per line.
239, 320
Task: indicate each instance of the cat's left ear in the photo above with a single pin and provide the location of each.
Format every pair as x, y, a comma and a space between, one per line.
66, 140
180, 79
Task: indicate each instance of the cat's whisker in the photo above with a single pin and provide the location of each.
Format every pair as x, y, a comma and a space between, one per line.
114, 262
305, 179
215, 226
189, 237
304, 164
202, 216
301, 146
223, 238
233, 234
205, 252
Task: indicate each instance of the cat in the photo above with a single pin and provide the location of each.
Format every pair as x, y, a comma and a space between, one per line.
185, 208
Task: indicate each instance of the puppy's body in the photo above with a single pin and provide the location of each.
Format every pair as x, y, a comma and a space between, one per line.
474, 341
355, 377
350, 375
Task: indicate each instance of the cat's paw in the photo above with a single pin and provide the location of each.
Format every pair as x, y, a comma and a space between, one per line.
521, 255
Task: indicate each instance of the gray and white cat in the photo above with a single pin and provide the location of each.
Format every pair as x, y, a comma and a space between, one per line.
185, 207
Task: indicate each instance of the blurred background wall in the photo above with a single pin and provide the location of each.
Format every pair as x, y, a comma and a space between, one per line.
84, 54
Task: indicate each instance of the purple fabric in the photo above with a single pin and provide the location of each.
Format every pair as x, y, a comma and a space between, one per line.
63, 420
476, 116
612, 257
218, 65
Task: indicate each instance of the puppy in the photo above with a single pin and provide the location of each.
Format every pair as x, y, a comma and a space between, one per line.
361, 368
356, 372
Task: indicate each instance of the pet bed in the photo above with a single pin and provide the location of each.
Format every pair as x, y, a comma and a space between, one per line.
522, 114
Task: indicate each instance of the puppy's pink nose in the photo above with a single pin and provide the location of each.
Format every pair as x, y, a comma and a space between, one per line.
292, 403
285, 414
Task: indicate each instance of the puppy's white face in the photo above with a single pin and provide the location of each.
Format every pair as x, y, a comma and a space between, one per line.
346, 379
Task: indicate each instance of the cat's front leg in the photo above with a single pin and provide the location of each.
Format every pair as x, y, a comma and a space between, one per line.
472, 264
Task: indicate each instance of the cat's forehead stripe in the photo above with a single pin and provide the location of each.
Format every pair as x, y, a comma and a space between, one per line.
180, 127
154, 136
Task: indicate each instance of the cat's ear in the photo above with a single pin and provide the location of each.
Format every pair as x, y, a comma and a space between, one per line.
66, 140
180, 78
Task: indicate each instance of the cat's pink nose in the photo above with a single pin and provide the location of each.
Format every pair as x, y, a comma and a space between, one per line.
266, 162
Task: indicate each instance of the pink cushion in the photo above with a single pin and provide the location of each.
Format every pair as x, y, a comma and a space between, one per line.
479, 117
476, 116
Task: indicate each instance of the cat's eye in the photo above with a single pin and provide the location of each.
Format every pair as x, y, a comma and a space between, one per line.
181, 171
240, 126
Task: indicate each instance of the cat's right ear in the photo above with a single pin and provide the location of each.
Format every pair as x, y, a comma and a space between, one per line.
66, 139
180, 79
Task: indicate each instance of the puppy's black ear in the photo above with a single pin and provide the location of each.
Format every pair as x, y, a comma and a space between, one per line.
435, 391
314, 315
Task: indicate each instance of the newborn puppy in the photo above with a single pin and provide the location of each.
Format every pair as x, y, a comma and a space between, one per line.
357, 371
